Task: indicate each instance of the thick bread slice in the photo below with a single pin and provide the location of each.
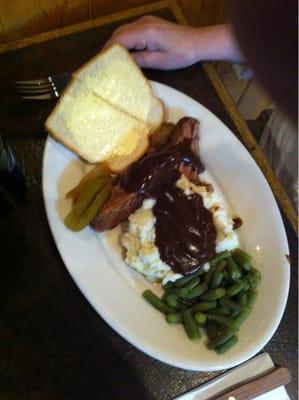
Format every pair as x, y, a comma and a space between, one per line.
95, 130
118, 163
114, 76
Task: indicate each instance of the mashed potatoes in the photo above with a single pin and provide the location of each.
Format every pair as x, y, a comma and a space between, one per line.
139, 241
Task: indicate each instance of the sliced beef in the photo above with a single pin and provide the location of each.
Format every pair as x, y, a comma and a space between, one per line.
117, 209
154, 141
186, 128
121, 203
190, 173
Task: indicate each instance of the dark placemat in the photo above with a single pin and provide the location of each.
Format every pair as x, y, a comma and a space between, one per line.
53, 345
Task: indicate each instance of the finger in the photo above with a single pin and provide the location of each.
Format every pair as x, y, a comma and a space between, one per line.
132, 39
117, 35
151, 59
137, 35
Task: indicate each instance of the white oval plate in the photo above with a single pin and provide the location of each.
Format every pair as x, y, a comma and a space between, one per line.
114, 290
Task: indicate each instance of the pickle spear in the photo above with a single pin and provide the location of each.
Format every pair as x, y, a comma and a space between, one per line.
77, 222
165, 132
88, 193
98, 171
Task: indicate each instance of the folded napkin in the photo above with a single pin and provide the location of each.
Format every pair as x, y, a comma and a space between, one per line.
256, 366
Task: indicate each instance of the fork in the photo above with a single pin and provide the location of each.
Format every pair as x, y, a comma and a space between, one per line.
47, 88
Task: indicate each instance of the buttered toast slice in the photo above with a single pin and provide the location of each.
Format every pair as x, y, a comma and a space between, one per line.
95, 130
114, 76
107, 111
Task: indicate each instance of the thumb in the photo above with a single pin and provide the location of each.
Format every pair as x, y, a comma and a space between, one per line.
150, 59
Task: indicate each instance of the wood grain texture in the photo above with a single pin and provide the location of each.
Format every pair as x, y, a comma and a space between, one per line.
203, 12
86, 25
259, 386
104, 7
25, 18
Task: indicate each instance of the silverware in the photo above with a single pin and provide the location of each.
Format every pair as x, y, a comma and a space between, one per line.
257, 369
256, 387
47, 88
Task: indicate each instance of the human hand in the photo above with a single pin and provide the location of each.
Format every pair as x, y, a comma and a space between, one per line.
156, 43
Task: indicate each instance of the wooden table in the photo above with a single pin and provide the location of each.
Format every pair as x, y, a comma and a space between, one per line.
53, 345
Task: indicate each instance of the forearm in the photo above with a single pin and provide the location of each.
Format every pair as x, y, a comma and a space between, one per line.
216, 43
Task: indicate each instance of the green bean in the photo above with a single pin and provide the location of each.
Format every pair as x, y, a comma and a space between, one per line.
221, 319
200, 318
190, 285
197, 291
201, 271
220, 256
168, 285
157, 303
222, 338
220, 311
242, 298
216, 279
190, 325
208, 276
213, 294
251, 297
226, 276
254, 274
244, 314
220, 267
241, 253
186, 303
173, 301
246, 286
223, 284
233, 269
242, 263
212, 329
235, 313
163, 297
227, 345
183, 281
231, 304
204, 306
179, 292
234, 289
253, 280
257, 273
175, 318
254, 285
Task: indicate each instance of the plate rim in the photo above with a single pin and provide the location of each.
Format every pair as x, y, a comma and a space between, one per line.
150, 349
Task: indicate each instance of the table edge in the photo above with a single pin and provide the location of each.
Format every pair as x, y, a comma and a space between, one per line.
83, 26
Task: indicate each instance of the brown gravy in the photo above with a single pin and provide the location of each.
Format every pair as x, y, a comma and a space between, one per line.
185, 231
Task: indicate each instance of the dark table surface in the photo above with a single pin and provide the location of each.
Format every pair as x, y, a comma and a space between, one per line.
53, 345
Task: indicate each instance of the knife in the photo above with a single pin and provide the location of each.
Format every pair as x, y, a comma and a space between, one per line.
226, 385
